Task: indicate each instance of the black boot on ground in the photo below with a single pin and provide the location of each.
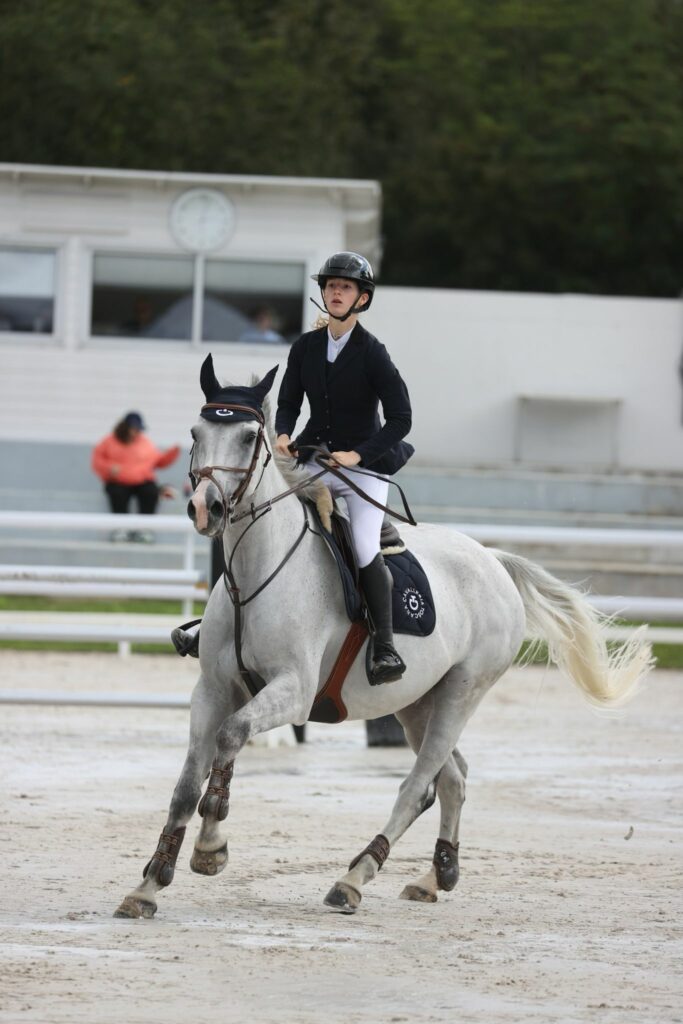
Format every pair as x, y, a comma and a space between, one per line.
375, 579
185, 643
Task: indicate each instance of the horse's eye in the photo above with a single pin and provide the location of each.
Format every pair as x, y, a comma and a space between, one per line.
193, 434
248, 439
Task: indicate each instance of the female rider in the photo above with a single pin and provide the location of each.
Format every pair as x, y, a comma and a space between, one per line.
345, 372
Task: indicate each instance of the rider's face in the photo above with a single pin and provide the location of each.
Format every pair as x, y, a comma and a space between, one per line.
341, 294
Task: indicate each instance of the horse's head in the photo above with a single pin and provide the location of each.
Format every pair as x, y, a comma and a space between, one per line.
230, 449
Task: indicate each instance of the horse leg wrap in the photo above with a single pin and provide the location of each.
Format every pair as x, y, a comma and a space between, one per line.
216, 800
162, 864
378, 849
445, 861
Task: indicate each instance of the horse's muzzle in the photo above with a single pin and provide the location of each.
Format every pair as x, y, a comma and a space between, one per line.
206, 509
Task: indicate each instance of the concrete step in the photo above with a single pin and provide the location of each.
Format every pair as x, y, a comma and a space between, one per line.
42, 475
541, 517
527, 491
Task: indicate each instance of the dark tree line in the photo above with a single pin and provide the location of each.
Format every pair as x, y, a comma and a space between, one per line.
521, 144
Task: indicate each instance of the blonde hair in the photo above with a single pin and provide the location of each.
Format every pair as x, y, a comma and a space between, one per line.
320, 321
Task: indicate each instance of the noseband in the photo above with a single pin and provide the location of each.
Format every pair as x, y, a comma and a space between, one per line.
207, 472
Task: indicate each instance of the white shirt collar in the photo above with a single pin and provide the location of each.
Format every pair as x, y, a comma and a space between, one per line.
335, 345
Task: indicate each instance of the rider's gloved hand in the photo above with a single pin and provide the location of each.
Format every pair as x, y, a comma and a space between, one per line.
344, 458
283, 446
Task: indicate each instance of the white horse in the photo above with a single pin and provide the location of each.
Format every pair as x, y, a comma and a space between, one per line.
291, 633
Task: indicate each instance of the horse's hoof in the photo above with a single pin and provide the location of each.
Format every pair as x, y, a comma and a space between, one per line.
418, 894
344, 898
209, 862
133, 908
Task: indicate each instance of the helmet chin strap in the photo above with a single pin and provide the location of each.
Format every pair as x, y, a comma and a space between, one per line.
353, 309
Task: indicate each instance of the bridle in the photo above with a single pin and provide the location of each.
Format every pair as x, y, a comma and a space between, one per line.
229, 501
252, 680
320, 455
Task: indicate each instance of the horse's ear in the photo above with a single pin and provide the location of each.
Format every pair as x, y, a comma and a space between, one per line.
207, 378
263, 387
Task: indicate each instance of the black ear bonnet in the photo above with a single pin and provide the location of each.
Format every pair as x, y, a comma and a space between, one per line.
219, 398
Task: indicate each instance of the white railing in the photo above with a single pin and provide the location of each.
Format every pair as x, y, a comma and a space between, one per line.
181, 583
184, 584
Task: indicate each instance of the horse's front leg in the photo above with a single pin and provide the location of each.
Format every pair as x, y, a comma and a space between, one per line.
206, 715
285, 700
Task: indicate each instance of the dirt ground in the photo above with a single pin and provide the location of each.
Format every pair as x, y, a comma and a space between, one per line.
568, 907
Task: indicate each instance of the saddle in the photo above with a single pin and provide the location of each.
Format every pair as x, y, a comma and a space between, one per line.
412, 601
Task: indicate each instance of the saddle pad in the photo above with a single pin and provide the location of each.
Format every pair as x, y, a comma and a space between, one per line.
411, 599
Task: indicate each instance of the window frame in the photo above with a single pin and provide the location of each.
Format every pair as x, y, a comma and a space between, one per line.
56, 336
195, 343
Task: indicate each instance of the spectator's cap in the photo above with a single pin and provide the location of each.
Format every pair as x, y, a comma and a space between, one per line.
134, 419
219, 397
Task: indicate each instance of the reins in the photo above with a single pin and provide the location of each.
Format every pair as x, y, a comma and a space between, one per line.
322, 458
321, 454
253, 682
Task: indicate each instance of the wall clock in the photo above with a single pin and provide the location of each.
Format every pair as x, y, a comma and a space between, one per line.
202, 220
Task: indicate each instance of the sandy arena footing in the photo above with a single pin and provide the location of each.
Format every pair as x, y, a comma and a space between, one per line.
568, 908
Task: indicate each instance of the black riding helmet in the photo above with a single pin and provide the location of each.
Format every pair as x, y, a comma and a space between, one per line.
353, 267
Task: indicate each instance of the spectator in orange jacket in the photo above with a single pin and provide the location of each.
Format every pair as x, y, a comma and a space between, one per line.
126, 460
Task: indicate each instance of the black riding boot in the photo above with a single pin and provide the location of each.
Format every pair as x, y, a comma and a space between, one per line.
184, 642
376, 582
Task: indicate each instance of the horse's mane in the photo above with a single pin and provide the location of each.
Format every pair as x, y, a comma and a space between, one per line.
286, 466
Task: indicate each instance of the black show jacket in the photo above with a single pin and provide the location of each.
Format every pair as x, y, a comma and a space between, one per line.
344, 398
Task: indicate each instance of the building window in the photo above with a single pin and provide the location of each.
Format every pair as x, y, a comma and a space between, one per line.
143, 296
252, 301
196, 299
27, 290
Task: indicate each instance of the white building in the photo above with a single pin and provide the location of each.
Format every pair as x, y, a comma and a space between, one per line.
114, 285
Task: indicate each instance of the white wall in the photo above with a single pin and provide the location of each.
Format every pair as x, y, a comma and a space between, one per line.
467, 356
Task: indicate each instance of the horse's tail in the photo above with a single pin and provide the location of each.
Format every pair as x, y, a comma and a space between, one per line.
574, 632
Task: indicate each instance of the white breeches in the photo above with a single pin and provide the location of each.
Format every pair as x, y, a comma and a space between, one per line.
366, 520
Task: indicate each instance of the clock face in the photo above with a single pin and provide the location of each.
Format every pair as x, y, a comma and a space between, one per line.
202, 219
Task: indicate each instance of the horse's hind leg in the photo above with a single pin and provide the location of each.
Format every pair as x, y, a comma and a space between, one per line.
205, 717
444, 712
444, 870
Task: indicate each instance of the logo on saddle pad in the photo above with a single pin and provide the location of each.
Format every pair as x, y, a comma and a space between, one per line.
413, 603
